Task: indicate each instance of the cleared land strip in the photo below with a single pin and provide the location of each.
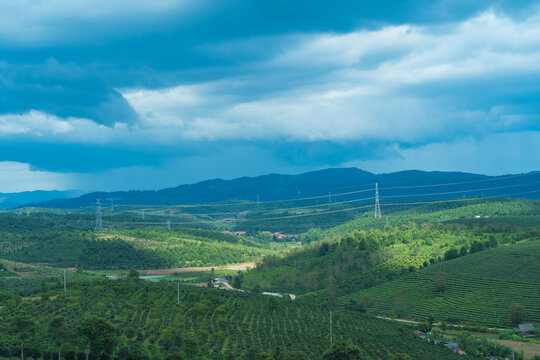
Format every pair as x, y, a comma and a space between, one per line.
239, 267
529, 349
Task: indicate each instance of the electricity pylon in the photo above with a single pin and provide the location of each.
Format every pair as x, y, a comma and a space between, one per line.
377, 204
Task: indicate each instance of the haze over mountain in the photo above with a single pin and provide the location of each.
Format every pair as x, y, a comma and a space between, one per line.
336, 183
14, 200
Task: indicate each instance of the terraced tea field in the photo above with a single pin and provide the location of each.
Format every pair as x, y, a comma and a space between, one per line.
479, 288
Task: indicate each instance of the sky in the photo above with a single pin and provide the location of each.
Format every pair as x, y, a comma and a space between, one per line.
119, 95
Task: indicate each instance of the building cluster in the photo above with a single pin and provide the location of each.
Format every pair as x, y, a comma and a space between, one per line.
449, 344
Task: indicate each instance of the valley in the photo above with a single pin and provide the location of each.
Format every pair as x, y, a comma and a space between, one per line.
456, 267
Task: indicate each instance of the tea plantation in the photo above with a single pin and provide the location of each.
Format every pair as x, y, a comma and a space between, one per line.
478, 288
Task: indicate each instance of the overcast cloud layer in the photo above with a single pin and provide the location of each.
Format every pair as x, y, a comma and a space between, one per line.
130, 95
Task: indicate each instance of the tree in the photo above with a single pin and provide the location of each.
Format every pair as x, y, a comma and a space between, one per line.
101, 336
331, 289
341, 350
237, 284
295, 355
400, 304
132, 349
58, 332
324, 249
133, 275
25, 327
44, 290
439, 281
366, 301
401, 356
263, 356
314, 234
451, 254
191, 346
517, 313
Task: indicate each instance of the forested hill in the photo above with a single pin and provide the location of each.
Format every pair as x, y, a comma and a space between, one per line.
343, 183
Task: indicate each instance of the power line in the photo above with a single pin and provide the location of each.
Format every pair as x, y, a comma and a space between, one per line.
277, 209
319, 206
392, 204
461, 191
462, 182
339, 210
353, 192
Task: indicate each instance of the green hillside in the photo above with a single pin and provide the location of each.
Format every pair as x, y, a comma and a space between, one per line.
478, 288
147, 248
138, 319
362, 259
463, 211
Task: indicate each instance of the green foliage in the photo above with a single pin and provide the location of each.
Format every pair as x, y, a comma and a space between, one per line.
100, 335
133, 274
517, 313
140, 319
479, 288
143, 249
341, 350
451, 254
362, 259
312, 235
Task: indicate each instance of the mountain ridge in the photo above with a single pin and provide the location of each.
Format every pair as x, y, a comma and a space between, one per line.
273, 187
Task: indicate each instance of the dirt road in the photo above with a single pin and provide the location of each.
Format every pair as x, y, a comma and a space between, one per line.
239, 267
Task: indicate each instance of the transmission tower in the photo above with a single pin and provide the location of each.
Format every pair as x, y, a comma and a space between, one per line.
377, 204
99, 221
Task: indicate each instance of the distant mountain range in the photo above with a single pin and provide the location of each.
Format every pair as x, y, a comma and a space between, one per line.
336, 183
15, 200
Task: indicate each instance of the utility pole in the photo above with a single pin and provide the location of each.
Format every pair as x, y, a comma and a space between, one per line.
142, 214
99, 221
169, 224
377, 204
65, 289
178, 292
331, 337
329, 197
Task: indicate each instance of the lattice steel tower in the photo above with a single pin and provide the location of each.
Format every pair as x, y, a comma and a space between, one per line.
99, 221
377, 204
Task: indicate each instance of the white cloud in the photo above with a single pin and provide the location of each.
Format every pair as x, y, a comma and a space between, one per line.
359, 87
17, 177
369, 85
45, 127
